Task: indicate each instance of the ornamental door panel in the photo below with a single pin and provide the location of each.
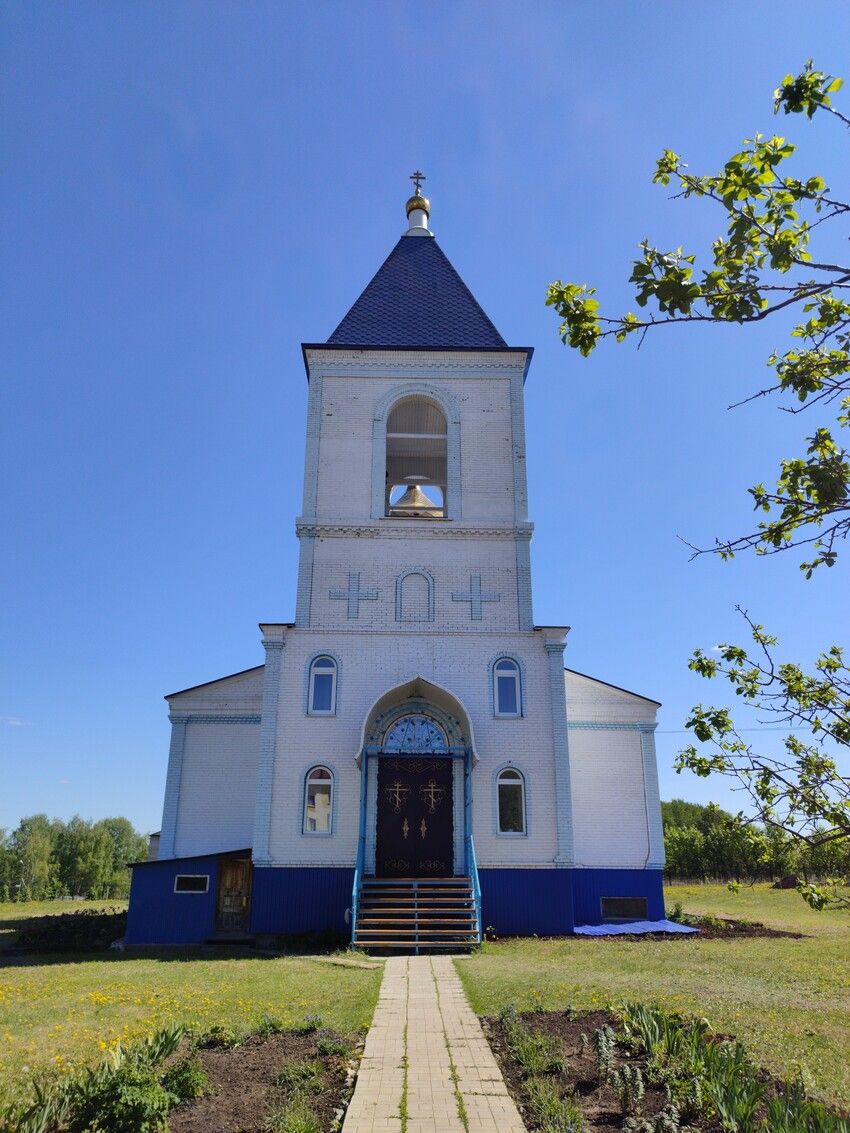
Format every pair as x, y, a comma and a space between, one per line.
415, 828
233, 913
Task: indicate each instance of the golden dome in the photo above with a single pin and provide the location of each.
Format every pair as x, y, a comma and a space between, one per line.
417, 201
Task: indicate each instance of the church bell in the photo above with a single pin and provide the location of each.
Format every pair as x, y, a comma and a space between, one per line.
414, 502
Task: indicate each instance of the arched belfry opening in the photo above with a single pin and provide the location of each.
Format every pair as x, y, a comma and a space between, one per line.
417, 460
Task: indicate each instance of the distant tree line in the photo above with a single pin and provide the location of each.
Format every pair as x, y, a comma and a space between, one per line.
46, 857
707, 843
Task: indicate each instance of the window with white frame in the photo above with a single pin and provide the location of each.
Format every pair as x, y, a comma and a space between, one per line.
321, 696
318, 801
507, 688
191, 883
511, 789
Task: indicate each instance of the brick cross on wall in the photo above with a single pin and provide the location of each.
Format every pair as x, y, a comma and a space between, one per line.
475, 597
354, 595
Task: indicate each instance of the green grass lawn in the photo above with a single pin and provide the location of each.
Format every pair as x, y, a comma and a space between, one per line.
789, 1000
64, 1010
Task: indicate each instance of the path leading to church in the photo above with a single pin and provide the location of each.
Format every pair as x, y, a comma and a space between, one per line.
427, 1067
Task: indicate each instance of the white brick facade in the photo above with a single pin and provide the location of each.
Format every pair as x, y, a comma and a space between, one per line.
591, 787
414, 603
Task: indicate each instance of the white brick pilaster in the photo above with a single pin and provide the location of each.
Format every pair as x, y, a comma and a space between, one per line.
560, 744
654, 825
273, 642
170, 807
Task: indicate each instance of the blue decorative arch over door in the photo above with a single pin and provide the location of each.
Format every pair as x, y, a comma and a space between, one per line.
415, 735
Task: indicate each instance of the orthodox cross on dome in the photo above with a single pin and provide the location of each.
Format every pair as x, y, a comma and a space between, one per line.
354, 595
417, 178
475, 596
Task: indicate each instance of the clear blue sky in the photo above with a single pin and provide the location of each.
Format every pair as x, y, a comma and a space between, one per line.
190, 190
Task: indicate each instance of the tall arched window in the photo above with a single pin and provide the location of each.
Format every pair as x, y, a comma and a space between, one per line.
507, 688
417, 460
318, 801
321, 691
511, 789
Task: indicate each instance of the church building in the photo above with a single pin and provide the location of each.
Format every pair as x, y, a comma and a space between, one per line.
412, 764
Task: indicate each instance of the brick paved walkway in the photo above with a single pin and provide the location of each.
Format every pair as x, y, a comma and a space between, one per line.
427, 1067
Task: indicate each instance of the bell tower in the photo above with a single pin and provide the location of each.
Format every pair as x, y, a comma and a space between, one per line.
414, 489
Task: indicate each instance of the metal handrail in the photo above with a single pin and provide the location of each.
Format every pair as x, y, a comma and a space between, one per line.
361, 850
476, 885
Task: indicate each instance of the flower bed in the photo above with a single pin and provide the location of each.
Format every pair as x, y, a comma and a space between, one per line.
643, 1071
276, 1080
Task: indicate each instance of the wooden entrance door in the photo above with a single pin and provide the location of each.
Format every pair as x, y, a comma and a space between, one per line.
415, 828
234, 895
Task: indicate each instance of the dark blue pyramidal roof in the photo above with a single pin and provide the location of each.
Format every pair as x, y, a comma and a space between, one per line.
416, 298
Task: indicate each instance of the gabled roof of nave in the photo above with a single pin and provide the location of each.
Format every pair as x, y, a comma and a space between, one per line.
416, 298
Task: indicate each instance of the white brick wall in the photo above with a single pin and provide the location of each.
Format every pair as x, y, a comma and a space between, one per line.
451, 562
216, 786
370, 665
216, 808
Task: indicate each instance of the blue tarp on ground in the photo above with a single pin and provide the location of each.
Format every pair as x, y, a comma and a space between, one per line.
631, 927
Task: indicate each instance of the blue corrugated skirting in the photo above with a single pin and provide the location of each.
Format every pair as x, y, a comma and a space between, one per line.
291, 899
591, 885
527, 902
550, 902
294, 900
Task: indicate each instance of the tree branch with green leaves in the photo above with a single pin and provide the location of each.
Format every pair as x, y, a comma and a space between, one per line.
801, 792
762, 265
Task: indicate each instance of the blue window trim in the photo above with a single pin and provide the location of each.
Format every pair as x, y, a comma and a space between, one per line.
429, 578
494, 708
308, 680
305, 775
525, 802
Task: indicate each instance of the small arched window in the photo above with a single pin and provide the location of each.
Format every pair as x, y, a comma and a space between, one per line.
318, 801
511, 788
321, 693
507, 688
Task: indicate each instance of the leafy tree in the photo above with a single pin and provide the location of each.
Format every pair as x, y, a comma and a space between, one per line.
802, 792
763, 264
32, 848
680, 812
47, 858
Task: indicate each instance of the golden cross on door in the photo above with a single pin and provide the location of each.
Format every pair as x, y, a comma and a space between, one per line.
431, 794
417, 178
397, 794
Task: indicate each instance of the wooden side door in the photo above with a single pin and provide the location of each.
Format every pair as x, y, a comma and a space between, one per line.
234, 895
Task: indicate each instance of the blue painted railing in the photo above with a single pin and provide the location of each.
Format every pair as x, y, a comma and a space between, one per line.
361, 848
476, 885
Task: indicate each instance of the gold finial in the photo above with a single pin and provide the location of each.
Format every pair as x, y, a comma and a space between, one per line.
418, 201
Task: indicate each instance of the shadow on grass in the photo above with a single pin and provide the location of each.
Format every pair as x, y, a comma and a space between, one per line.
310, 944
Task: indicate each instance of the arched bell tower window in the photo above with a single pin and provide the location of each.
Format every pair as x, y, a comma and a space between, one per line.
416, 480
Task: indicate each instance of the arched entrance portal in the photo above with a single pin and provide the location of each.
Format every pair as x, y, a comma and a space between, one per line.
416, 759
415, 828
